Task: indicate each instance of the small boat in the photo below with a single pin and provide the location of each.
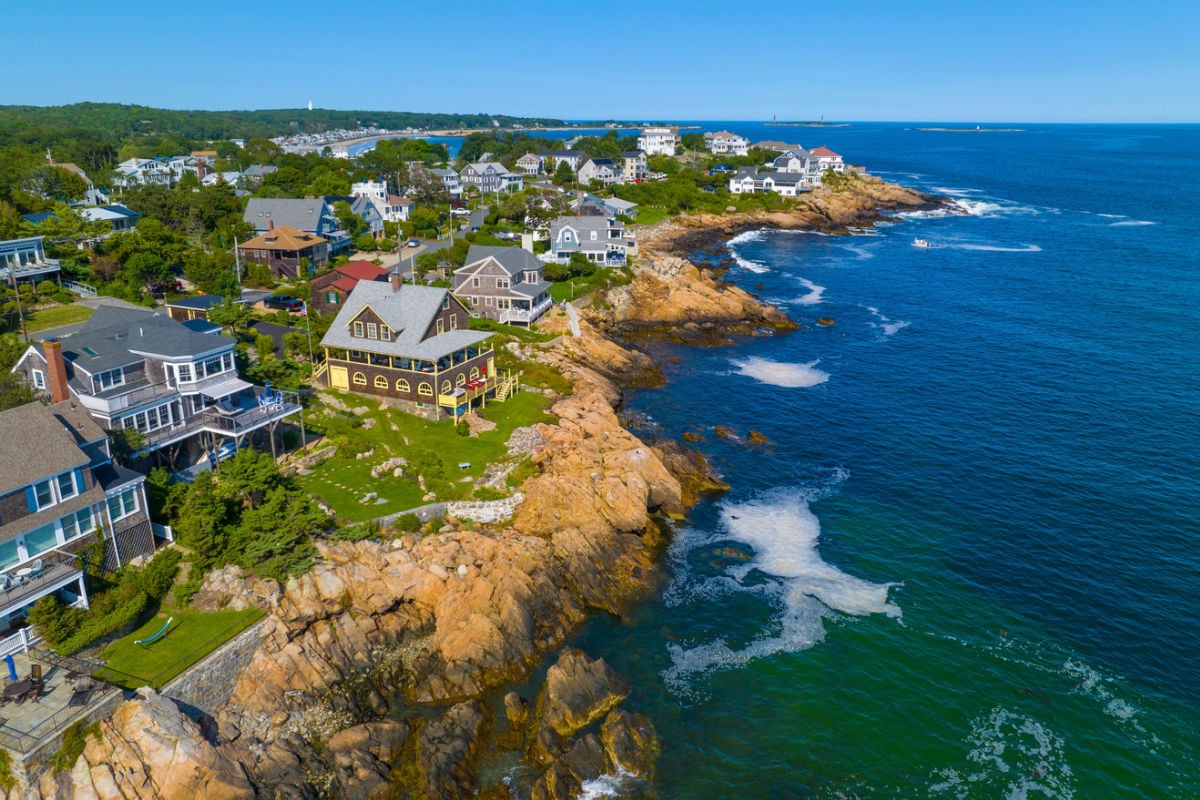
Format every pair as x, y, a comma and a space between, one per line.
921, 243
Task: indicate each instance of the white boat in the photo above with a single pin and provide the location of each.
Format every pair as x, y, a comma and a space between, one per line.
921, 243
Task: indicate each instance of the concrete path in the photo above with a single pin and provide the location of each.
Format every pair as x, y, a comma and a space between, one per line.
572, 318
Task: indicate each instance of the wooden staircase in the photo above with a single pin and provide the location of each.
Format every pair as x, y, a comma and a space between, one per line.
506, 387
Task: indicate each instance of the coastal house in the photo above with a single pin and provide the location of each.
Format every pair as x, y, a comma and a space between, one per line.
792, 160
600, 239
826, 159
253, 175
144, 171
177, 388
609, 207
491, 177
411, 344
726, 142
531, 163
604, 170
185, 309
503, 284
749, 180
290, 253
330, 289
363, 208
391, 207
633, 166
25, 260
310, 215
659, 140
91, 196
60, 493
573, 158
450, 179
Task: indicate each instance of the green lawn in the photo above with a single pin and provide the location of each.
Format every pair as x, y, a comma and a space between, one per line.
192, 636
54, 316
343, 480
651, 214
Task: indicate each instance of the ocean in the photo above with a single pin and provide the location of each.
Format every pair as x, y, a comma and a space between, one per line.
964, 563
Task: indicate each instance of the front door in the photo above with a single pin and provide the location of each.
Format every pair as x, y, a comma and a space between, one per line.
339, 378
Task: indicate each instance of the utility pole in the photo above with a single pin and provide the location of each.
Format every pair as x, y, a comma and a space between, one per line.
237, 265
12, 275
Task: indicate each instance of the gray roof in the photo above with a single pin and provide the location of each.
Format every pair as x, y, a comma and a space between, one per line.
513, 259
114, 337
113, 476
409, 313
34, 444
78, 422
303, 215
202, 302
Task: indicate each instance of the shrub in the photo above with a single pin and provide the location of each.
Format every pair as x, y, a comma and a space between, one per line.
157, 577
54, 621
408, 523
8, 781
488, 493
185, 591
463, 428
46, 288
265, 346
73, 742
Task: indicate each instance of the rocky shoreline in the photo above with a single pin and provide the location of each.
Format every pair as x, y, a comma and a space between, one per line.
374, 677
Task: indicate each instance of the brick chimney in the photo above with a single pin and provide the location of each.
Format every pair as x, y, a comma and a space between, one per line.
270, 224
56, 369
397, 279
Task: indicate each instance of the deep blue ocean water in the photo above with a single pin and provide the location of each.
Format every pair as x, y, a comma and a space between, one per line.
965, 565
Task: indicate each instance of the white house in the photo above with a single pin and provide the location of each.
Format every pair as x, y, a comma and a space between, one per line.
726, 142
748, 181
600, 239
660, 140
604, 170
451, 180
826, 159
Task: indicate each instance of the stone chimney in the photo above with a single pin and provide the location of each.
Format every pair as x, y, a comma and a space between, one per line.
397, 279
56, 369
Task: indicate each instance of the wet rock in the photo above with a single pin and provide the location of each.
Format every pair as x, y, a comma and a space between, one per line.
724, 431
446, 750
577, 692
757, 437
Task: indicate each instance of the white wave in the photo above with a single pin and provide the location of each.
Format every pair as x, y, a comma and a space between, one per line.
1112, 216
989, 248
814, 293
932, 213
979, 208
617, 785
748, 236
1011, 756
784, 534
951, 192
776, 373
750, 265
1131, 223
886, 324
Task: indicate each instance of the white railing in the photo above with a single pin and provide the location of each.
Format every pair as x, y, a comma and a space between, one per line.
524, 315
19, 642
81, 289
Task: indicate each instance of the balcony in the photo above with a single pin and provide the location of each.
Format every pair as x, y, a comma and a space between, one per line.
58, 569
30, 270
236, 415
526, 316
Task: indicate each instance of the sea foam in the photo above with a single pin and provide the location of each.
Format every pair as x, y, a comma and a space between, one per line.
886, 324
783, 532
618, 785
776, 373
814, 293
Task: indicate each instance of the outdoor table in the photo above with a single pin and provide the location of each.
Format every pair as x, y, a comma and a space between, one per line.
17, 689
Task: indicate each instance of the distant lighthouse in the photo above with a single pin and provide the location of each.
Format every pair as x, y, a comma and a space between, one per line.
310, 105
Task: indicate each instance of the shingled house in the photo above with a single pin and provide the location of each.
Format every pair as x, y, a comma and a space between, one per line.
286, 250
60, 493
504, 284
411, 344
330, 289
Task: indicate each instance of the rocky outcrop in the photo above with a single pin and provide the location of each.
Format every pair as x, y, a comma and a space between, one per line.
147, 750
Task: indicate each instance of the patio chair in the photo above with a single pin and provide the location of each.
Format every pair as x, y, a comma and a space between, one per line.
35, 672
6, 582
35, 569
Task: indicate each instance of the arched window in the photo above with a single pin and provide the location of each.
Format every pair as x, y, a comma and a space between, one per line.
460, 380
446, 387
402, 386
474, 372
381, 382
360, 379
425, 390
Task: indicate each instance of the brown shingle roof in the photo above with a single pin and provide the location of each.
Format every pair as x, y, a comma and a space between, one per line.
285, 237
34, 445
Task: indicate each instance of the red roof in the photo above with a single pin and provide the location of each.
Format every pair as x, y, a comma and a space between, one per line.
345, 284
824, 151
362, 271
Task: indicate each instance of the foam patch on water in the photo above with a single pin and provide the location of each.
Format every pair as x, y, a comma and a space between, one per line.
993, 248
1131, 223
951, 192
885, 324
748, 236
1010, 756
814, 293
748, 264
784, 533
618, 785
777, 373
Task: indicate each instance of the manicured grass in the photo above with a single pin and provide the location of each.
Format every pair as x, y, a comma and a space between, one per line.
514, 331
191, 637
341, 481
54, 316
651, 214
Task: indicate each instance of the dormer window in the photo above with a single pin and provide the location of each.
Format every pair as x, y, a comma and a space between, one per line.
446, 302
358, 329
110, 378
385, 333
372, 330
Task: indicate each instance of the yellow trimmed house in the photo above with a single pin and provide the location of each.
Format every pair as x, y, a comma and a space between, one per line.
411, 344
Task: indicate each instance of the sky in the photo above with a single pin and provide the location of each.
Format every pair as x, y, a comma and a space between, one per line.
921, 60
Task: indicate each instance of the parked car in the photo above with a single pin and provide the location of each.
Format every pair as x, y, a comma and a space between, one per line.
460, 212
164, 287
283, 302
412, 243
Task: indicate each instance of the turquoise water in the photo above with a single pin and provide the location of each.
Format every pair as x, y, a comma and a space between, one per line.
965, 565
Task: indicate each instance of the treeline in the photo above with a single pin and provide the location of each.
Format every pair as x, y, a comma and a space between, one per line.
507, 147
120, 123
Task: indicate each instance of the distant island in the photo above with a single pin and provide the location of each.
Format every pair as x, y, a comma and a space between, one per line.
976, 129
821, 124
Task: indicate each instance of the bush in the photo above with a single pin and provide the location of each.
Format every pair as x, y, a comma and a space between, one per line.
157, 577
488, 493
184, 592
8, 781
408, 523
54, 621
73, 742
46, 288
462, 428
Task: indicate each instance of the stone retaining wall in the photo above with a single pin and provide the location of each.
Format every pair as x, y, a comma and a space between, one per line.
205, 688
485, 511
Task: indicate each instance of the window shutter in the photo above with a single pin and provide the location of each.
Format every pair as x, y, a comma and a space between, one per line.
80, 483
31, 499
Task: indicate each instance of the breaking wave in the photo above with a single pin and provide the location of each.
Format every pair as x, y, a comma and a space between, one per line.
886, 324
783, 532
776, 373
601, 786
1131, 223
989, 248
814, 293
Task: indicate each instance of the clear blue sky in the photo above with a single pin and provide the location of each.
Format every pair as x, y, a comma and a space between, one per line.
963, 61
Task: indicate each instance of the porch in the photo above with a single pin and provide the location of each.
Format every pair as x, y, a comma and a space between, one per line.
526, 316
